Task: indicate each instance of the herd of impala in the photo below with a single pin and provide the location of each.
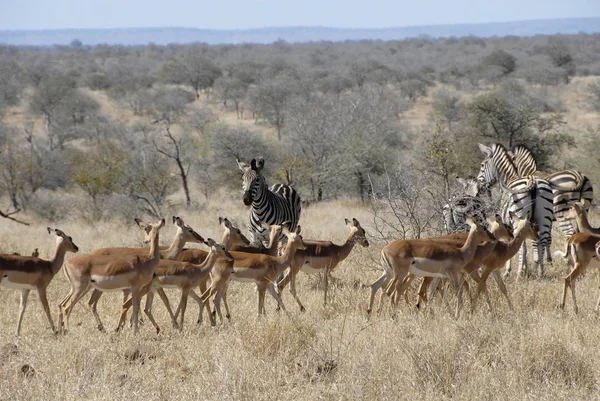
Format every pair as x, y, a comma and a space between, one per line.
144, 271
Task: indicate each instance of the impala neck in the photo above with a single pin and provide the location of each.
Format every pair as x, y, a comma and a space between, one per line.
154, 253
59, 255
209, 261
470, 246
346, 247
273, 242
584, 224
512, 247
285, 259
176, 246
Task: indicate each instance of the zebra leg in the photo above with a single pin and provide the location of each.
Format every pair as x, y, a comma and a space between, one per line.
522, 267
539, 249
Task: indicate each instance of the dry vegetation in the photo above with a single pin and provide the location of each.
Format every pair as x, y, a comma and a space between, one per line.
385, 112
335, 352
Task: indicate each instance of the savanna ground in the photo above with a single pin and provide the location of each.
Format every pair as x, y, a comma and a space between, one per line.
332, 352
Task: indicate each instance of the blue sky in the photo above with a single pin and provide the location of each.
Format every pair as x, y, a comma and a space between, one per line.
240, 14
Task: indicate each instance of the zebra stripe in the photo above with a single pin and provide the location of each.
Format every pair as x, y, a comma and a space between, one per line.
528, 196
278, 205
567, 186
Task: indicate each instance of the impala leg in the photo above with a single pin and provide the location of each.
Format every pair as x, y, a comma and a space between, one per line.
202, 287
293, 290
93, 303
374, 288
135, 299
274, 294
61, 306
72, 301
165, 300
217, 304
23, 304
502, 288
422, 293
326, 285
148, 308
261, 299
182, 306
224, 297
44, 300
570, 283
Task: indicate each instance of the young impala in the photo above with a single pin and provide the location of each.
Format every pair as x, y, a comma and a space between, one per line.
28, 273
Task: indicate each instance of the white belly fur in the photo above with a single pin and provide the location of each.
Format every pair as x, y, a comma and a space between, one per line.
307, 269
428, 268
16, 286
108, 284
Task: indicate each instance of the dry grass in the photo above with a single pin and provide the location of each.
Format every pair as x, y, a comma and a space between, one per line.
335, 352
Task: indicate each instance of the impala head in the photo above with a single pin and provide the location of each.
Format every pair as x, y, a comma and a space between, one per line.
189, 235
524, 225
357, 232
64, 238
150, 229
499, 229
232, 234
479, 229
576, 209
293, 237
252, 179
218, 249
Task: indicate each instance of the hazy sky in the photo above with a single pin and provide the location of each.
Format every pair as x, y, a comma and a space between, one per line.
239, 14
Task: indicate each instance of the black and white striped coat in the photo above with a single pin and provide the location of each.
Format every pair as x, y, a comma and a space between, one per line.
278, 205
525, 196
567, 186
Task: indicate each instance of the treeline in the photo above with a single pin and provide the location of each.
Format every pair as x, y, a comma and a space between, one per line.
130, 127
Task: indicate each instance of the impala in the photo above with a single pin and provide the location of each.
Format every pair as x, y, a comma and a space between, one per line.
263, 270
111, 273
580, 250
28, 273
183, 235
322, 256
185, 276
503, 252
427, 258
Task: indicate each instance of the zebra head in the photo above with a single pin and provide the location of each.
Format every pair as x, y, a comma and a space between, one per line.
488, 174
252, 179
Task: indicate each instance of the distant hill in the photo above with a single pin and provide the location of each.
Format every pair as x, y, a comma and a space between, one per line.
138, 36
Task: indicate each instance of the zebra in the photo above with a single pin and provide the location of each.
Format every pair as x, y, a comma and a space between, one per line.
567, 186
522, 195
275, 206
462, 206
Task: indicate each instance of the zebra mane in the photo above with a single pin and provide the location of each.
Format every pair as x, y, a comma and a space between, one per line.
508, 168
523, 160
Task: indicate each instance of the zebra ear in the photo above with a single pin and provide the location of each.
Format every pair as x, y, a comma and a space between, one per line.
260, 165
243, 166
253, 164
486, 150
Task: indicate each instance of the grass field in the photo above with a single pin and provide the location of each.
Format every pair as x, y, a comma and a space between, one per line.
332, 352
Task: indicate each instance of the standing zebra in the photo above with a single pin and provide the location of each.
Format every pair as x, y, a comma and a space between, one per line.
275, 206
527, 195
567, 186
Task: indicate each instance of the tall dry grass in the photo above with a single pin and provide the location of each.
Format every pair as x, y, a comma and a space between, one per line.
333, 352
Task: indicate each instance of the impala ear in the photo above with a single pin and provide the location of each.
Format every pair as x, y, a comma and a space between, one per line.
298, 230
355, 222
220, 220
138, 221
347, 222
162, 223
49, 230
179, 222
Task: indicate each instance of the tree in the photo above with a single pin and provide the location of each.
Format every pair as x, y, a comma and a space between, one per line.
194, 68
509, 116
501, 59
48, 96
447, 107
10, 82
270, 98
232, 89
561, 57
100, 172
